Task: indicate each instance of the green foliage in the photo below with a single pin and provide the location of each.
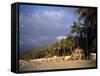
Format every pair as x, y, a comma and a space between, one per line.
48, 56
27, 55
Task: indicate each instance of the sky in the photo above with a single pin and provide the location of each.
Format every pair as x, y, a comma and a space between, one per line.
42, 26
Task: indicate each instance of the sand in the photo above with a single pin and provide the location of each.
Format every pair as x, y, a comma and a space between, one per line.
52, 65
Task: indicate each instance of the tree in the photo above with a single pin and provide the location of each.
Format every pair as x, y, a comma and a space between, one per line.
56, 48
75, 29
70, 42
27, 55
89, 16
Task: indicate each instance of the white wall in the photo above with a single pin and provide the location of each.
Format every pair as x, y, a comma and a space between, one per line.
5, 30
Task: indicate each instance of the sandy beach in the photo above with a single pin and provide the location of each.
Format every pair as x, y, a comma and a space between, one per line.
51, 65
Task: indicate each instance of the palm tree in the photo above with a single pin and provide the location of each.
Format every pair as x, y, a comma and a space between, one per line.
56, 48
89, 16
76, 29
62, 45
69, 42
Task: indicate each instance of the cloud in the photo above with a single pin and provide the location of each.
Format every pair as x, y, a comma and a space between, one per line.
42, 28
32, 43
44, 22
61, 37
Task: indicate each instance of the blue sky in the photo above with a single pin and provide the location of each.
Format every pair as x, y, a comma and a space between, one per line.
41, 26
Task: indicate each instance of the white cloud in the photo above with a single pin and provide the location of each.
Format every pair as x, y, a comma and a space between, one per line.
48, 17
61, 37
54, 14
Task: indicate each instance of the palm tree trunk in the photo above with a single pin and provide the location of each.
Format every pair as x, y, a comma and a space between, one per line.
58, 52
86, 48
64, 51
77, 43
